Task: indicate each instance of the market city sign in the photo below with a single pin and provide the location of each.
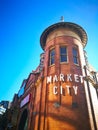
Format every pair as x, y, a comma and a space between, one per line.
65, 78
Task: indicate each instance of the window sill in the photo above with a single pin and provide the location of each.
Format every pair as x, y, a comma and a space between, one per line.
51, 65
64, 62
76, 64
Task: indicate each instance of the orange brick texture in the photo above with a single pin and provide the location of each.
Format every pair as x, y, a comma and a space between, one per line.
67, 109
63, 111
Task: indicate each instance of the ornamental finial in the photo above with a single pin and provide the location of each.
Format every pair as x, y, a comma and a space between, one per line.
62, 19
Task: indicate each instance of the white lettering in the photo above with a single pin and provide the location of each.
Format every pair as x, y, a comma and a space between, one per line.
55, 78
68, 90
61, 77
75, 89
55, 90
76, 77
81, 78
61, 90
49, 79
69, 78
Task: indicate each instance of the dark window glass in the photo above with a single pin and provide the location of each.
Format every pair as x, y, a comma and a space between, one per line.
63, 54
52, 56
75, 55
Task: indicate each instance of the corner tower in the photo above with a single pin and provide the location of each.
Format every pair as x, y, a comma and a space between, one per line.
63, 102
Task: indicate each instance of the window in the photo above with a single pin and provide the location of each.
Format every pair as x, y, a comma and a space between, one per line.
75, 55
52, 57
63, 54
22, 89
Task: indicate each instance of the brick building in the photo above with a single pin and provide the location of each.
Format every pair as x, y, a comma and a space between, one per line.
57, 95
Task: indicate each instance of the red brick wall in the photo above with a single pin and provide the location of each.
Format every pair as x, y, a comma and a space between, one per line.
59, 114
48, 111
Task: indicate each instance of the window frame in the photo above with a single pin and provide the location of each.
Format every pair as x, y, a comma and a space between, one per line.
75, 56
51, 57
63, 54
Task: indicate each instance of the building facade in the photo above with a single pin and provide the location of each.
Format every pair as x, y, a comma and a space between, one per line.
58, 94
4, 105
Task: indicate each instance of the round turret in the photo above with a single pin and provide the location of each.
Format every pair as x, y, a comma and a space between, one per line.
78, 30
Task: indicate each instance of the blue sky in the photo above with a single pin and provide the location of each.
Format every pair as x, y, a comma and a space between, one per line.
21, 25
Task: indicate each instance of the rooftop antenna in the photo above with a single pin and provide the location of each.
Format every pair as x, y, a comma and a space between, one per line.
62, 19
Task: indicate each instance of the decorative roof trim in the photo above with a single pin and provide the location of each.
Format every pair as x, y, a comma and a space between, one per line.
72, 26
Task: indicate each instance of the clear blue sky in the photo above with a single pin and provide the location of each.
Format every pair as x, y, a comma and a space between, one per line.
21, 25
